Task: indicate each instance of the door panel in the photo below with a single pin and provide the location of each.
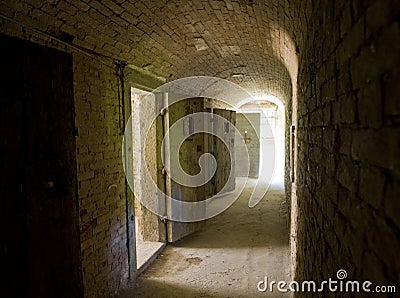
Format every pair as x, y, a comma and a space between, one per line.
223, 153
39, 213
189, 154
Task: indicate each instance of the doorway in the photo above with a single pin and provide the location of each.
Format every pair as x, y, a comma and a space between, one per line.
262, 126
150, 239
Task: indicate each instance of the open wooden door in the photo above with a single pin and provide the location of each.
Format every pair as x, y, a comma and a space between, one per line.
189, 153
194, 146
221, 152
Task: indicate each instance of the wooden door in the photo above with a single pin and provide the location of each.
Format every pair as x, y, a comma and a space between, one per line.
40, 248
189, 154
223, 153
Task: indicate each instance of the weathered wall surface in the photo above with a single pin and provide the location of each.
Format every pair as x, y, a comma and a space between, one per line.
144, 161
101, 178
348, 137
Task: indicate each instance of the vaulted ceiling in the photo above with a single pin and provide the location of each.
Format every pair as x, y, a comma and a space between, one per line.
249, 42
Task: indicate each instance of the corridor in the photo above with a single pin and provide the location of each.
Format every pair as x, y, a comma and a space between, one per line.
228, 257
123, 128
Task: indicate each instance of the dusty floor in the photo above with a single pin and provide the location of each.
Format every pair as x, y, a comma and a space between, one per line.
145, 250
227, 258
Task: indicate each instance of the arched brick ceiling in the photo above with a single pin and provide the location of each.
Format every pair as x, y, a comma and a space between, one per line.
175, 39
217, 38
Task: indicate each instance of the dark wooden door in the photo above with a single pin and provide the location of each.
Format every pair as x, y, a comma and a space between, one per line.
39, 247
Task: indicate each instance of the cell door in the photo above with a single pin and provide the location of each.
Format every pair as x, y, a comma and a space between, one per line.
189, 153
40, 247
224, 151
182, 116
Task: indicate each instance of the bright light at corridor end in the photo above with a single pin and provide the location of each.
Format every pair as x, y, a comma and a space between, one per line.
176, 208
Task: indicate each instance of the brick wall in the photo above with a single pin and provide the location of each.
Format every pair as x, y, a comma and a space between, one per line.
101, 186
348, 136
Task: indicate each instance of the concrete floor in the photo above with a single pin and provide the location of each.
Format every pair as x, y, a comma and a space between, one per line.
145, 251
226, 258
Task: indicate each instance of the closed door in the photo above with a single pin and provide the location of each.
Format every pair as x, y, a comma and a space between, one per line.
40, 248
